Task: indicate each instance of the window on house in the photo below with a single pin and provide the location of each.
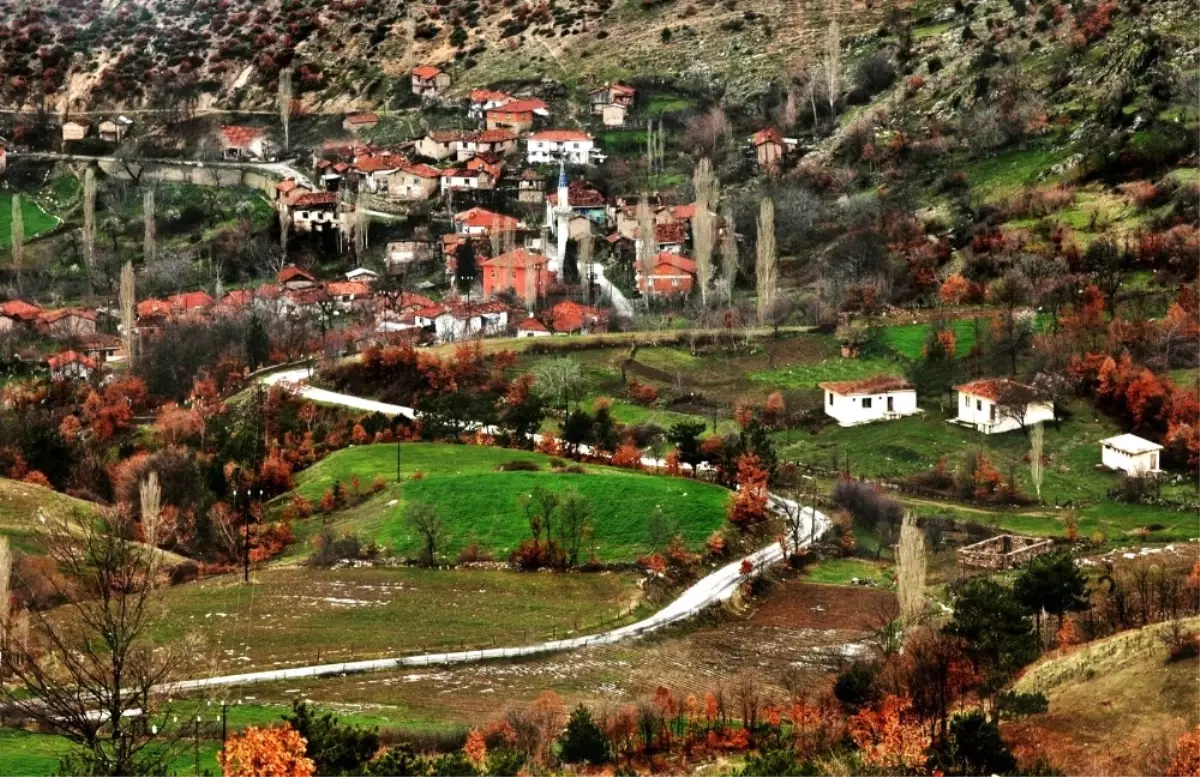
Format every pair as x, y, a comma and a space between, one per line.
992, 413
830, 398
978, 405
866, 403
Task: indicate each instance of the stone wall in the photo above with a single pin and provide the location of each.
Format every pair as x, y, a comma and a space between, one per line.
1003, 552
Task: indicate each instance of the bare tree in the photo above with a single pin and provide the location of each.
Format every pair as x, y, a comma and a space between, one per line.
707, 132
150, 234
127, 301
575, 522
647, 240
586, 250
833, 57
729, 253
423, 519
18, 235
5, 576
285, 225
705, 184
89, 217
1037, 437
285, 104
766, 269
910, 571
91, 663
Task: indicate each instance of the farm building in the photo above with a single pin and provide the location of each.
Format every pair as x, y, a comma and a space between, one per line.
531, 327
878, 398
997, 405
428, 80
572, 146
356, 122
75, 130
1130, 454
71, 365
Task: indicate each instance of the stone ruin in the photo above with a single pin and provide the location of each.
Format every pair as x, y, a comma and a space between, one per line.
1004, 551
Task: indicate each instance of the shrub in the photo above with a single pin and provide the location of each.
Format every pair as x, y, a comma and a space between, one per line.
1011, 705
329, 549
473, 554
869, 508
855, 685
520, 465
1140, 194
642, 394
583, 741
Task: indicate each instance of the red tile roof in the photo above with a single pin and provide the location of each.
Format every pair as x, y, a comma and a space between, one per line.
19, 309
363, 118
991, 388
241, 137
532, 325
560, 136
486, 219
373, 163
447, 135
580, 194
286, 185
293, 273
528, 105
670, 233
675, 262
67, 357
50, 316
495, 136
426, 71
421, 170
313, 199
238, 298
876, 384
571, 316
190, 300
151, 308
768, 135
684, 212
348, 288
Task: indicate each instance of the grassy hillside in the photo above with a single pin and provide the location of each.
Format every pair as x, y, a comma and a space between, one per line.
35, 220
480, 503
296, 615
20, 504
1114, 704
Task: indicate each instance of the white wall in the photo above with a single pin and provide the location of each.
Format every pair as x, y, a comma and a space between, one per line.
861, 409
577, 152
1135, 464
983, 414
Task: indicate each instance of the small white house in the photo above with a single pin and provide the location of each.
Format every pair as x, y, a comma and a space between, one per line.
1131, 454
362, 274
878, 398
997, 405
531, 327
572, 146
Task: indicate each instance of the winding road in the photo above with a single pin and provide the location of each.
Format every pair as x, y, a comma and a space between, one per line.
714, 588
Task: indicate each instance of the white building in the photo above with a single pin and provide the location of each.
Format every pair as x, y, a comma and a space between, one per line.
452, 324
531, 327
878, 398
997, 405
573, 146
1131, 454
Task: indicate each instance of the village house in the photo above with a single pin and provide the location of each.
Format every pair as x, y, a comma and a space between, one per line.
484, 100
314, 211
670, 237
583, 199
286, 187
531, 327
997, 405
877, 398
770, 147
409, 182
572, 146
497, 142
115, 130
189, 302
481, 222
1130, 454
440, 144
71, 365
357, 122
480, 172
611, 103
363, 274
402, 253
372, 170
455, 322
243, 143
522, 271
429, 81
75, 130
67, 322
17, 315
100, 347
348, 294
517, 115
292, 278
623, 212
671, 275
531, 187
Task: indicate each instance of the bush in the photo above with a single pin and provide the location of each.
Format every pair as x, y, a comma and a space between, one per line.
583, 741
782, 763
973, 747
519, 465
329, 550
869, 508
855, 686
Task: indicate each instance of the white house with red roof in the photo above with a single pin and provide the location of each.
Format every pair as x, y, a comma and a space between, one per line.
71, 365
429, 80
16, 314
481, 222
484, 100
877, 398
572, 146
531, 327
314, 211
996, 405
292, 278
238, 142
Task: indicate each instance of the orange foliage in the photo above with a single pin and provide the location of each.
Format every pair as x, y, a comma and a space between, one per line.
1186, 762
475, 748
749, 505
627, 456
278, 751
642, 394
359, 436
672, 464
37, 478
773, 410
954, 290
886, 736
178, 424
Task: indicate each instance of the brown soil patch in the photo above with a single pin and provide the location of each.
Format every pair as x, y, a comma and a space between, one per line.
796, 604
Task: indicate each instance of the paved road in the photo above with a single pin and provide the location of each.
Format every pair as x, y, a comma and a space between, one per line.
716, 587
619, 301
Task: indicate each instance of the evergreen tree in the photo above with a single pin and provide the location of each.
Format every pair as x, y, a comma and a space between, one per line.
973, 747
258, 343
583, 741
1052, 583
334, 748
995, 627
466, 267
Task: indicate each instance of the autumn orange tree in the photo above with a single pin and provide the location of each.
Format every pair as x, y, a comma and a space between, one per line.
749, 506
278, 751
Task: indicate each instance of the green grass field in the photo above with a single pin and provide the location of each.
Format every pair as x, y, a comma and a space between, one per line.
36, 220
808, 376
20, 504
840, 571
299, 615
478, 502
